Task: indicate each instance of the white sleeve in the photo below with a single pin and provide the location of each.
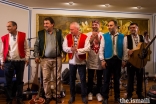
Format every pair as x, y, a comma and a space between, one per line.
65, 46
1, 54
125, 49
101, 50
26, 49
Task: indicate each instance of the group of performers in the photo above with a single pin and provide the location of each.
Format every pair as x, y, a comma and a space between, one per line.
106, 53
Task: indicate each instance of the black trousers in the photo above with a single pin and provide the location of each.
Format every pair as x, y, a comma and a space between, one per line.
113, 68
82, 73
11, 68
91, 78
131, 72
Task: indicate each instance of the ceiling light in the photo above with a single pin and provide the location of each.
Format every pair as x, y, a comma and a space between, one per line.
71, 3
107, 5
139, 7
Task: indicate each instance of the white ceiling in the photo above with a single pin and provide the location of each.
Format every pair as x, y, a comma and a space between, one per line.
148, 6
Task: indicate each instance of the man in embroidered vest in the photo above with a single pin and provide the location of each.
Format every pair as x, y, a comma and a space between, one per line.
131, 41
76, 45
47, 52
93, 61
14, 55
111, 54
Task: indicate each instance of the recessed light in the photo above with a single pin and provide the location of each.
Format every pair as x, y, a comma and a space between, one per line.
107, 5
71, 3
139, 7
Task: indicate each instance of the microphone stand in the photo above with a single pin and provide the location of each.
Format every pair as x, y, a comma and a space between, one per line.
28, 92
56, 71
29, 67
142, 56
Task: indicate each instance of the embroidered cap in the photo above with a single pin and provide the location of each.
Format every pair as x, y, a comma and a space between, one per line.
95, 21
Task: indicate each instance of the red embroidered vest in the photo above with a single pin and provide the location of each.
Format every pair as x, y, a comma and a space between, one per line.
20, 39
81, 44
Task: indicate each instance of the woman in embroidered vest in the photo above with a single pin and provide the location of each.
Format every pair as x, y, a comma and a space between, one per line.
45, 53
76, 45
93, 61
14, 55
131, 41
111, 54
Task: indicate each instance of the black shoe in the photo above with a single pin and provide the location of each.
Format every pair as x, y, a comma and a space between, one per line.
47, 101
118, 101
129, 98
140, 96
72, 99
9, 102
19, 102
59, 100
84, 100
105, 101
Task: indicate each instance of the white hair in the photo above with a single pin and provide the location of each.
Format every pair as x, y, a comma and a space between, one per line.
75, 24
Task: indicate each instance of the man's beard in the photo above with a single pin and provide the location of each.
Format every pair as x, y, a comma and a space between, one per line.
95, 29
112, 32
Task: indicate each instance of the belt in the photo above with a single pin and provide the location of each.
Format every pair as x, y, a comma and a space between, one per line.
14, 60
115, 57
52, 57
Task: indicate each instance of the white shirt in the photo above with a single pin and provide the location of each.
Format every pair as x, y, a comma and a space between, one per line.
125, 45
75, 60
13, 53
147, 41
101, 50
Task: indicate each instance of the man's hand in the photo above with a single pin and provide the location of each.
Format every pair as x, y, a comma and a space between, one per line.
95, 35
124, 64
103, 64
130, 52
2, 66
37, 60
26, 62
73, 49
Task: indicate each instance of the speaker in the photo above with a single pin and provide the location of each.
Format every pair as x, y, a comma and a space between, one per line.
65, 76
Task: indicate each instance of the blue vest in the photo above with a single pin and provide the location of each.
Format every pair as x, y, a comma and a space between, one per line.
108, 48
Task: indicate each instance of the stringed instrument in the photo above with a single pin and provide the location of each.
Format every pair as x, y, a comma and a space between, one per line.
142, 49
36, 99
